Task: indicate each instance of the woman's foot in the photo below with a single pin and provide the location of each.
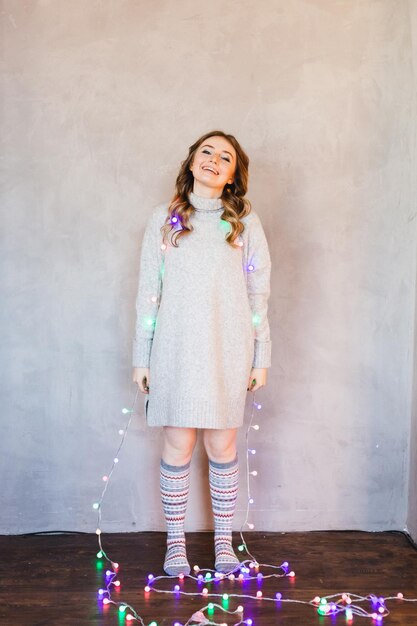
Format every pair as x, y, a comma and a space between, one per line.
176, 560
226, 559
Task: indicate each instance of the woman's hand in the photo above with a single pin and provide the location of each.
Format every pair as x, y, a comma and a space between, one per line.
141, 377
259, 375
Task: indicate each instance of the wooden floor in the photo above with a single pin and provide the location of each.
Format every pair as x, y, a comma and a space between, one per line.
54, 579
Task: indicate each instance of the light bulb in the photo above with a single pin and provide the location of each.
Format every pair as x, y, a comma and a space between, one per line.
163, 246
96, 505
251, 500
121, 431
250, 268
116, 460
251, 526
147, 589
225, 596
278, 596
254, 473
259, 406
124, 411
106, 601
255, 427
105, 478
259, 594
122, 608
205, 591
98, 531
239, 609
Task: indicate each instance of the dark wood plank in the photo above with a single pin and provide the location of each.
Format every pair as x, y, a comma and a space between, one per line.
54, 579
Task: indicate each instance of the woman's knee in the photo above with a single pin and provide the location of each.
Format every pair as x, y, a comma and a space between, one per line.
220, 445
179, 444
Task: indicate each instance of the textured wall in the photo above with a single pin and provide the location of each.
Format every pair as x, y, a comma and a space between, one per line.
100, 102
412, 495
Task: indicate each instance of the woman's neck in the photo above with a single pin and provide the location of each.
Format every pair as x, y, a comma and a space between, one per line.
206, 192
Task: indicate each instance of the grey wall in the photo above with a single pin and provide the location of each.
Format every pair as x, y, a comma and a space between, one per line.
412, 495
100, 103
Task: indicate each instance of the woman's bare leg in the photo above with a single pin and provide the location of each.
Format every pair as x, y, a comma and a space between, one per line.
224, 478
178, 448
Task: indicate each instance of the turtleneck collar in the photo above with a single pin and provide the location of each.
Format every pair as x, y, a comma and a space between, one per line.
205, 204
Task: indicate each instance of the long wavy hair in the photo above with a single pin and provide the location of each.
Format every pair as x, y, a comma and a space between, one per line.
235, 205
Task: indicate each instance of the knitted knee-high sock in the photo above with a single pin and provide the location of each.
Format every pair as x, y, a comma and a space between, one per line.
174, 482
223, 479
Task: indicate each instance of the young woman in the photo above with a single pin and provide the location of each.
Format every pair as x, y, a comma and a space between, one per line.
202, 334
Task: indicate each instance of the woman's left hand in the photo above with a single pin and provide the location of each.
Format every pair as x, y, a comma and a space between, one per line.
259, 375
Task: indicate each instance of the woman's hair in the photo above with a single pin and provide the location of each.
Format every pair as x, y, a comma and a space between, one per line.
234, 203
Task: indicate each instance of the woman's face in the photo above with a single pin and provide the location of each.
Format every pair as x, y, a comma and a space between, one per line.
213, 166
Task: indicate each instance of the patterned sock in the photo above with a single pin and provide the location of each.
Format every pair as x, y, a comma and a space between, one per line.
223, 479
174, 483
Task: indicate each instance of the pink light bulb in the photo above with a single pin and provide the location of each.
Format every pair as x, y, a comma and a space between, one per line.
259, 594
105, 478
106, 601
147, 589
205, 591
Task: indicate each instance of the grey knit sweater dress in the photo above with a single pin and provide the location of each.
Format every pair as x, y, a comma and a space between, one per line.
201, 318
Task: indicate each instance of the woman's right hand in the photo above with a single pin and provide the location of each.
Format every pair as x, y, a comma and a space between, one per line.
141, 377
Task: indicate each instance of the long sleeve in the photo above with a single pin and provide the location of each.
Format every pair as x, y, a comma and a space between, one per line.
258, 272
149, 291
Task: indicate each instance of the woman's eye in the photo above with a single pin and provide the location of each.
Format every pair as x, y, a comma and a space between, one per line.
206, 151
226, 159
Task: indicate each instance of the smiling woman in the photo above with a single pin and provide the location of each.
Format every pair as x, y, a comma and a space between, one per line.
202, 334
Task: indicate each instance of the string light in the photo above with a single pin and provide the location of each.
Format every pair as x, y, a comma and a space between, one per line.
348, 604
